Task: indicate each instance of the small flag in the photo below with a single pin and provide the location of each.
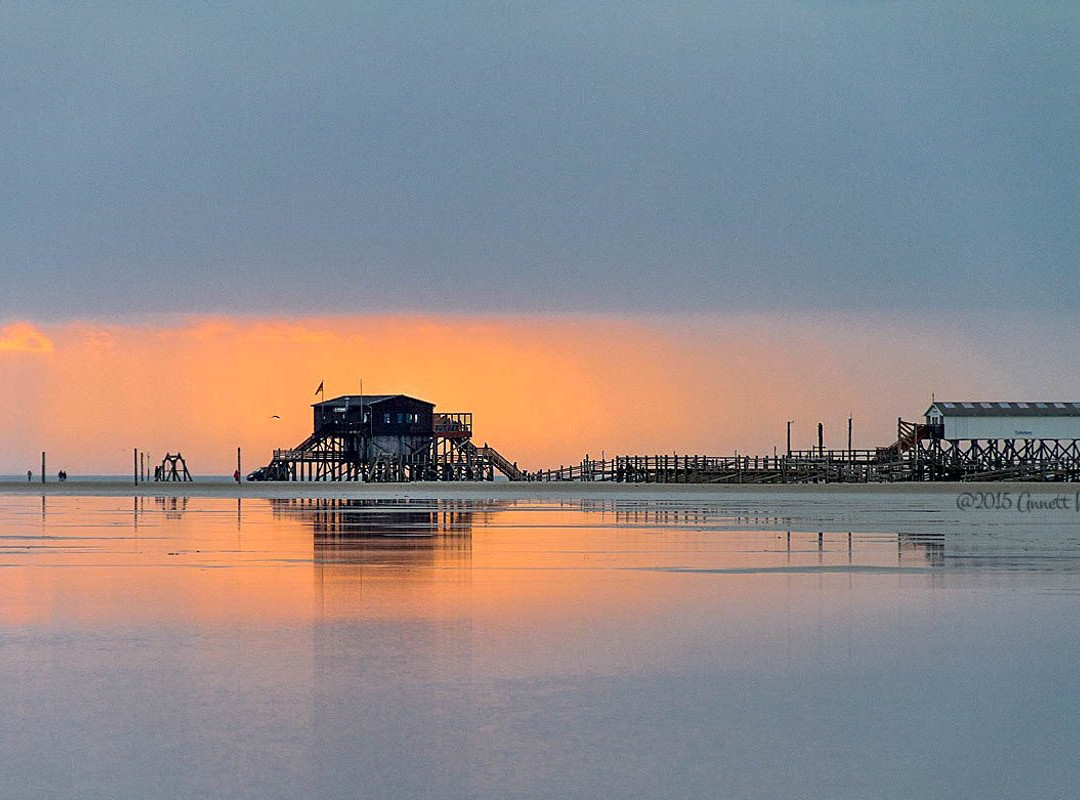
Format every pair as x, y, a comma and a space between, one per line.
320, 387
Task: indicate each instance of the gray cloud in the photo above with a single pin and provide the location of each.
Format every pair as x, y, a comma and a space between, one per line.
625, 156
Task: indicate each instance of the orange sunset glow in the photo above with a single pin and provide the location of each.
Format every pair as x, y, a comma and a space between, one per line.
544, 390
539, 400
22, 337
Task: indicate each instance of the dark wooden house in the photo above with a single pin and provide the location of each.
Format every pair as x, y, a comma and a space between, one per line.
376, 415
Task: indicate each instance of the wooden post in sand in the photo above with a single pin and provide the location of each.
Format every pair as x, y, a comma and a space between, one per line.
135, 464
43, 466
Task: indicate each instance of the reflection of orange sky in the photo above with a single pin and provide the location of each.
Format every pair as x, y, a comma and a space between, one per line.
505, 589
544, 391
167, 560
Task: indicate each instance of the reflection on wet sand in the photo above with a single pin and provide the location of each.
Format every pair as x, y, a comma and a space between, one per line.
930, 547
172, 507
517, 648
174, 557
393, 586
386, 533
389, 559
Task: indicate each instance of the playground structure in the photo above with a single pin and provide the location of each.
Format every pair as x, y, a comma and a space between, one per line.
173, 468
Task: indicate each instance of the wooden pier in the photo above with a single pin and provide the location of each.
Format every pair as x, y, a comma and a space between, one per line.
397, 438
918, 454
830, 467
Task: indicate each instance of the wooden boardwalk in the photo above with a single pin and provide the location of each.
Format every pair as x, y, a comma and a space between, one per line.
829, 467
929, 460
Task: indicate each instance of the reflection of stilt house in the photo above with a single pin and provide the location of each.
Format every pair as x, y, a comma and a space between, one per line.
386, 438
400, 533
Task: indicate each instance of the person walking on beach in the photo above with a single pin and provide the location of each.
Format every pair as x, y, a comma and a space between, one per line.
236, 475
29, 476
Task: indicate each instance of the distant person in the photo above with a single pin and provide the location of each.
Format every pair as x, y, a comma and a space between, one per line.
29, 476
236, 475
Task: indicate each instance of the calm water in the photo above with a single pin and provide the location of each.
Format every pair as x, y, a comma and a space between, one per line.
154, 648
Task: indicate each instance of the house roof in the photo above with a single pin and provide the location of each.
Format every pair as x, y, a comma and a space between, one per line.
367, 400
1006, 409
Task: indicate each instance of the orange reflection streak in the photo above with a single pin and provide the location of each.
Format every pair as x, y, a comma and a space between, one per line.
544, 391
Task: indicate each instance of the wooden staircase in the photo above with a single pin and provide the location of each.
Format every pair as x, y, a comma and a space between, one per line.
497, 460
908, 436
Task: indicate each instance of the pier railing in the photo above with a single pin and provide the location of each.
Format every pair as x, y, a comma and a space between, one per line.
306, 455
928, 460
805, 466
453, 426
836, 456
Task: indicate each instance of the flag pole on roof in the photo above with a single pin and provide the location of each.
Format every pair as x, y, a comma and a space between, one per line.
321, 393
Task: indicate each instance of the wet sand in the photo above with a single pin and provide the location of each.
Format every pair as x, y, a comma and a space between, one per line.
536, 641
866, 507
586, 641
511, 491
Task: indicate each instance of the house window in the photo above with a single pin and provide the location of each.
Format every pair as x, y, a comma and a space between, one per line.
386, 418
399, 420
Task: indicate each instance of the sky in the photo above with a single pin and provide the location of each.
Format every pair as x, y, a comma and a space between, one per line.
544, 390
361, 168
